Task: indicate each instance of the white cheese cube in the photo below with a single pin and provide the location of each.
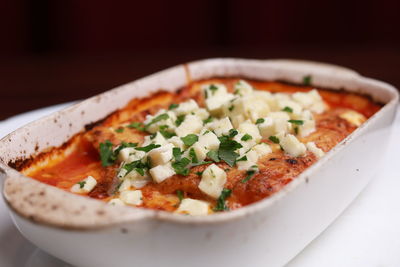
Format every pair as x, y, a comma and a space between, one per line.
248, 127
242, 88
262, 149
212, 181
252, 158
310, 100
246, 145
193, 207
162, 172
296, 108
209, 140
214, 90
130, 154
215, 105
202, 113
169, 121
279, 115
116, 202
157, 139
353, 117
191, 125
160, 155
220, 127
177, 142
84, 186
308, 125
125, 185
312, 147
186, 107
199, 149
292, 146
134, 197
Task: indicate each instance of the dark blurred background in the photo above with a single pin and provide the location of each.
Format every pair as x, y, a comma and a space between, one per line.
55, 51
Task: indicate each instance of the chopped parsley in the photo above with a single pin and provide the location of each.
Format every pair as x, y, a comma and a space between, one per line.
213, 155
249, 174
307, 80
209, 119
274, 139
213, 88
261, 120
190, 139
244, 158
193, 156
180, 195
199, 173
201, 163
160, 117
81, 184
176, 152
147, 148
119, 130
296, 122
167, 134
137, 165
173, 106
233, 133
246, 137
227, 152
221, 205
137, 125
296, 130
179, 120
288, 109
106, 153
180, 166
231, 108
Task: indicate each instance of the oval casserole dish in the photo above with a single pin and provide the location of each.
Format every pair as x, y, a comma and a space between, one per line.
87, 232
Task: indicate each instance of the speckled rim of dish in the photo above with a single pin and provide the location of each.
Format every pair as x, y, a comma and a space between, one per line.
30, 198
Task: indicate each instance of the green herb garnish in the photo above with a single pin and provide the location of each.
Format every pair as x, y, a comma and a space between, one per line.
213, 155
119, 130
176, 152
190, 139
233, 133
246, 137
147, 148
160, 117
213, 88
227, 152
199, 173
193, 156
307, 80
221, 205
261, 120
231, 108
274, 139
249, 174
180, 166
209, 119
106, 153
297, 122
179, 193
179, 120
81, 184
296, 130
137, 125
173, 106
288, 109
244, 158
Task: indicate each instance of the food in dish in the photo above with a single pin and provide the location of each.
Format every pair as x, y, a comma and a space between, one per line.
215, 145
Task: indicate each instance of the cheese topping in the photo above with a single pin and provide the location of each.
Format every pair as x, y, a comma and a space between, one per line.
233, 127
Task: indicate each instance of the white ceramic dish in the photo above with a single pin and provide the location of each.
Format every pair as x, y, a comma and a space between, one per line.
274, 230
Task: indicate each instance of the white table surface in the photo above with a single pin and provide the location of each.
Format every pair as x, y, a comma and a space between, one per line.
366, 234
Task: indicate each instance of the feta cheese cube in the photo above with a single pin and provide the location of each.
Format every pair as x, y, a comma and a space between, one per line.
84, 186
292, 146
186, 107
191, 125
312, 147
248, 127
353, 117
116, 202
157, 139
130, 154
202, 113
212, 181
161, 155
125, 185
177, 142
214, 90
200, 150
209, 141
252, 158
169, 121
220, 127
193, 207
296, 108
242, 88
262, 149
162, 172
134, 197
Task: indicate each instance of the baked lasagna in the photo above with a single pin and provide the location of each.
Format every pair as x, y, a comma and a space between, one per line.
213, 146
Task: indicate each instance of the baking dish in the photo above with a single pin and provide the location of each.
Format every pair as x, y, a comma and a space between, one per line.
270, 232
